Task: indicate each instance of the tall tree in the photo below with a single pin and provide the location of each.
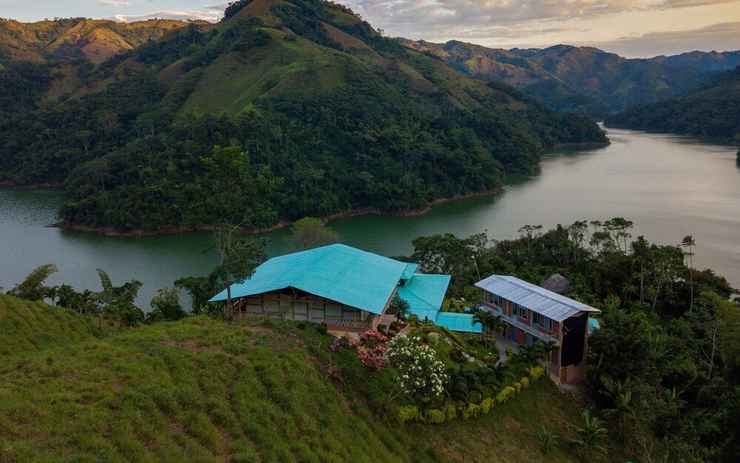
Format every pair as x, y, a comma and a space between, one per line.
239, 257
689, 244
310, 232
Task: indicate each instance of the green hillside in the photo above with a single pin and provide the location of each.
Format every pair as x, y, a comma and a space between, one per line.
582, 79
283, 110
32, 326
204, 390
712, 111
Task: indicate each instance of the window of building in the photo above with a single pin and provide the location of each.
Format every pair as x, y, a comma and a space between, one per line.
542, 321
520, 311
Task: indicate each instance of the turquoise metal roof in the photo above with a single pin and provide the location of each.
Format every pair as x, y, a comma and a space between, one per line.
338, 272
358, 279
409, 271
460, 322
424, 294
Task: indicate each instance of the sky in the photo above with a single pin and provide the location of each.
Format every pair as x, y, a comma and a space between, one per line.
632, 28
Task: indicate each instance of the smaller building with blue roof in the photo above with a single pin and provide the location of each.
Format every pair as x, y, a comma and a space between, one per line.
344, 287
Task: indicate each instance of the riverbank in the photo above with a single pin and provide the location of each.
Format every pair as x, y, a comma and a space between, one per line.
114, 232
31, 186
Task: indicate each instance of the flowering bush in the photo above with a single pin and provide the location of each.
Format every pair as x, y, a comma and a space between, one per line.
372, 338
421, 375
372, 357
372, 348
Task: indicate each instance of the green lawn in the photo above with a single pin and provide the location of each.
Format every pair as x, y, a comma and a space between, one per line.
204, 390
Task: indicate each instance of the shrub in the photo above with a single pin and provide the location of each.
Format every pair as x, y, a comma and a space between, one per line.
505, 394
340, 344
536, 373
451, 411
486, 406
471, 411
524, 382
517, 387
372, 349
475, 396
421, 375
408, 413
548, 440
435, 416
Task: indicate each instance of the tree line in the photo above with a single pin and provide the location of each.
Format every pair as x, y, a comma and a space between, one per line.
664, 368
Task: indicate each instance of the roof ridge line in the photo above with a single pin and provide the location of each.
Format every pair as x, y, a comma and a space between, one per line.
547, 295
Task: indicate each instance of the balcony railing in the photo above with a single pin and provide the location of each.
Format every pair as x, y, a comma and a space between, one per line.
535, 330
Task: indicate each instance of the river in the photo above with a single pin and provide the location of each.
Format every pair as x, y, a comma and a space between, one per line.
669, 186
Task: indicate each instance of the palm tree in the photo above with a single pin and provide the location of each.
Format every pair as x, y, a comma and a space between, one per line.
689, 243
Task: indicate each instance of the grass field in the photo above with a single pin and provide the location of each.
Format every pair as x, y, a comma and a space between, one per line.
204, 390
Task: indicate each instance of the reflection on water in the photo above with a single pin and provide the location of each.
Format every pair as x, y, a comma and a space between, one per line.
669, 186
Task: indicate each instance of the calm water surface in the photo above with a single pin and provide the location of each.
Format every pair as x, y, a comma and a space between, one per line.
669, 186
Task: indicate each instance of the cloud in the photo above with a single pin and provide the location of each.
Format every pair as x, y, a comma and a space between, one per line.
717, 37
113, 2
442, 17
212, 13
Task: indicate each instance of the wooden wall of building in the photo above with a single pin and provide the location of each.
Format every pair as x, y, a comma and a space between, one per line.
290, 304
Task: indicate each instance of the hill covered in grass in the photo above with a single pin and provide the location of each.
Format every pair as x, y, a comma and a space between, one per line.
33, 326
204, 390
285, 109
712, 111
583, 79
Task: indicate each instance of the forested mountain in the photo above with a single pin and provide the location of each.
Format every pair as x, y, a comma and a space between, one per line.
77, 38
583, 79
712, 111
283, 110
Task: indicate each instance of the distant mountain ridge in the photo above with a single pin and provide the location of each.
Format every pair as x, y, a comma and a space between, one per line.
78, 38
712, 111
583, 79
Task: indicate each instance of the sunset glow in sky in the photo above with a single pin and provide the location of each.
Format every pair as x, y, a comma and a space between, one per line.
632, 28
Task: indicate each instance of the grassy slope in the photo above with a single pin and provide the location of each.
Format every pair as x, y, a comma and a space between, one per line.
31, 326
202, 390
293, 65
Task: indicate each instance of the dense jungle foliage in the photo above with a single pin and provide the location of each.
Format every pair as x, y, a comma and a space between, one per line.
301, 110
712, 111
664, 368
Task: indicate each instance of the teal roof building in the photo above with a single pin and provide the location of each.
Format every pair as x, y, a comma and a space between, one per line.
352, 279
